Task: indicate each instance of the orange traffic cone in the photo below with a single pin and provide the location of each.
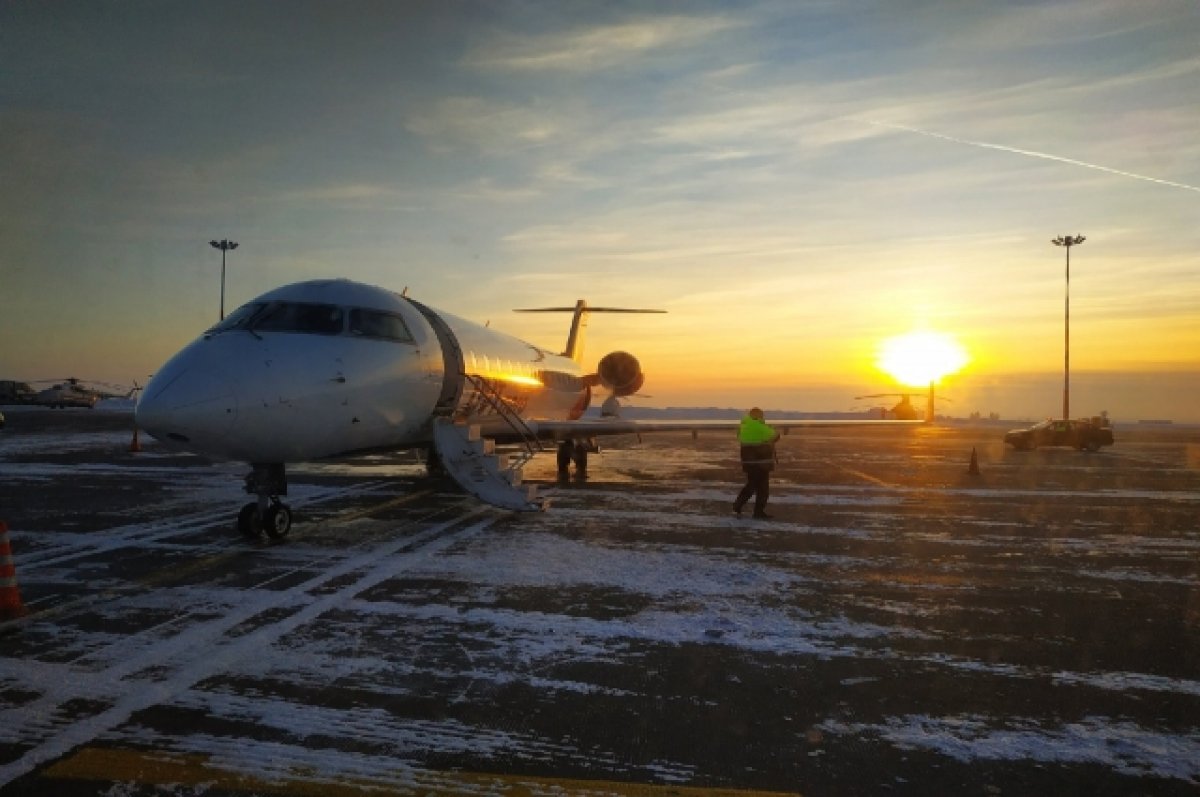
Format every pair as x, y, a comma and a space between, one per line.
973, 468
10, 597
134, 445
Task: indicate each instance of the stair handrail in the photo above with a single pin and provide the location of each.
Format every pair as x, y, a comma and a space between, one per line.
511, 417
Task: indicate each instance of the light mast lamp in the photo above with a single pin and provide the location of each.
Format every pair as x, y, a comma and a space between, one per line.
224, 246
1066, 241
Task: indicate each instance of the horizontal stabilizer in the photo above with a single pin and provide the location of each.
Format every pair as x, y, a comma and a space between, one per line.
581, 309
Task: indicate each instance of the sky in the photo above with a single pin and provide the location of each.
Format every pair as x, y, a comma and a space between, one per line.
794, 182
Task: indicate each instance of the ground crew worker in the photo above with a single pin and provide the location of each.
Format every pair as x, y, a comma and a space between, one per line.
757, 441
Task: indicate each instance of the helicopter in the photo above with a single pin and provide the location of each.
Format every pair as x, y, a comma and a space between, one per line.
904, 409
73, 392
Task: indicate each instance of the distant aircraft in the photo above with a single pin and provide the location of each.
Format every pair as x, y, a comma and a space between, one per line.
72, 392
904, 409
329, 368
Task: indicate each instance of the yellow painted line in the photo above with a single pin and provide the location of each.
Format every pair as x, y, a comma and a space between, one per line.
404, 499
145, 767
860, 474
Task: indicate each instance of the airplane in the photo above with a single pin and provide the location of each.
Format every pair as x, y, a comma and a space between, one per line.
332, 367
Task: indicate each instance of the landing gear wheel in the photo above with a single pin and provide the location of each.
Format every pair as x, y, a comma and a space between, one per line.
580, 457
277, 521
250, 522
565, 450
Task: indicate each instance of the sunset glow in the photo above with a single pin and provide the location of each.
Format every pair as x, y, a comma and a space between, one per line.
794, 183
918, 358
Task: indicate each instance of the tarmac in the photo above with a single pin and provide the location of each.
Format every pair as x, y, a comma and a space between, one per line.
901, 626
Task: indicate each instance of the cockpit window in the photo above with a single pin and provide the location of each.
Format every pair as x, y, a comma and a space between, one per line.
376, 324
316, 319
239, 318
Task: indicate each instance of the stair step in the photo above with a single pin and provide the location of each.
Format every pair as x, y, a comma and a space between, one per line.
471, 461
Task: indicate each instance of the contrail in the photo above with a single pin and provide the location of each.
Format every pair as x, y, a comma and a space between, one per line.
1031, 153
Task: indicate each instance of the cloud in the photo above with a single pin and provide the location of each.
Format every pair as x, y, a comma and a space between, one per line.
487, 126
571, 236
598, 47
1060, 24
346, 192
485, 189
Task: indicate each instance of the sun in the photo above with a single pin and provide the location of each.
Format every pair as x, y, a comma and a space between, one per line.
918, 358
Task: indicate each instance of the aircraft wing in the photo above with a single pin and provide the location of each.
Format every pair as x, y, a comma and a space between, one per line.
596, 427
474, 465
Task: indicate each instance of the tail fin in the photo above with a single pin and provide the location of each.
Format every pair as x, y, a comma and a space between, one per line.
574, 348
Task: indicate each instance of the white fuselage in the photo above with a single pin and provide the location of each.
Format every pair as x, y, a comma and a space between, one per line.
330, 367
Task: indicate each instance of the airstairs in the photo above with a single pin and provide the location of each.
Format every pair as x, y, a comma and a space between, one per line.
472, 461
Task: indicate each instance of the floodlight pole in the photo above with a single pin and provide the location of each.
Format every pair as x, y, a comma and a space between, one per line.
1067, 241
224, 246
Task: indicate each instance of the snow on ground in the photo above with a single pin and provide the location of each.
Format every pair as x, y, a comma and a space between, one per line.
1119, 745
361, 651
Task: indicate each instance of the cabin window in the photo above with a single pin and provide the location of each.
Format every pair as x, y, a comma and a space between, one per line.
315, 319
376, 324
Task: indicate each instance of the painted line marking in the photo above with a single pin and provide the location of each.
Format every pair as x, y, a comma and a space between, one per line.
177, 573
176, 653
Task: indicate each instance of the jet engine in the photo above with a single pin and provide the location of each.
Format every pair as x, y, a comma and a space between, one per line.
621, 373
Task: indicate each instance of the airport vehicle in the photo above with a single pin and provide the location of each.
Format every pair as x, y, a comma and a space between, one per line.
334, 367
13, 392
1089, 433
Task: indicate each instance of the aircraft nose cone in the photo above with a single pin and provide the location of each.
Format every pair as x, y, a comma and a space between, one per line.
193, 407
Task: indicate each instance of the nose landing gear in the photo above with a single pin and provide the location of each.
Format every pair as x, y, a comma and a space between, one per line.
267, 514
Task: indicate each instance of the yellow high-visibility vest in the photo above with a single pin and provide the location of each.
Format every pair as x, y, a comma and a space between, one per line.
754, 432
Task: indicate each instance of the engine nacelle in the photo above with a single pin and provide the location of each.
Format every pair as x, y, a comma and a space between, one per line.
621, 373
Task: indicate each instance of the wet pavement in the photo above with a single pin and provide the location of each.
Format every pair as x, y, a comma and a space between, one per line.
899, 627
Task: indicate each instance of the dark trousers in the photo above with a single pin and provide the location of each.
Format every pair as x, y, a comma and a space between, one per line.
758, 484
